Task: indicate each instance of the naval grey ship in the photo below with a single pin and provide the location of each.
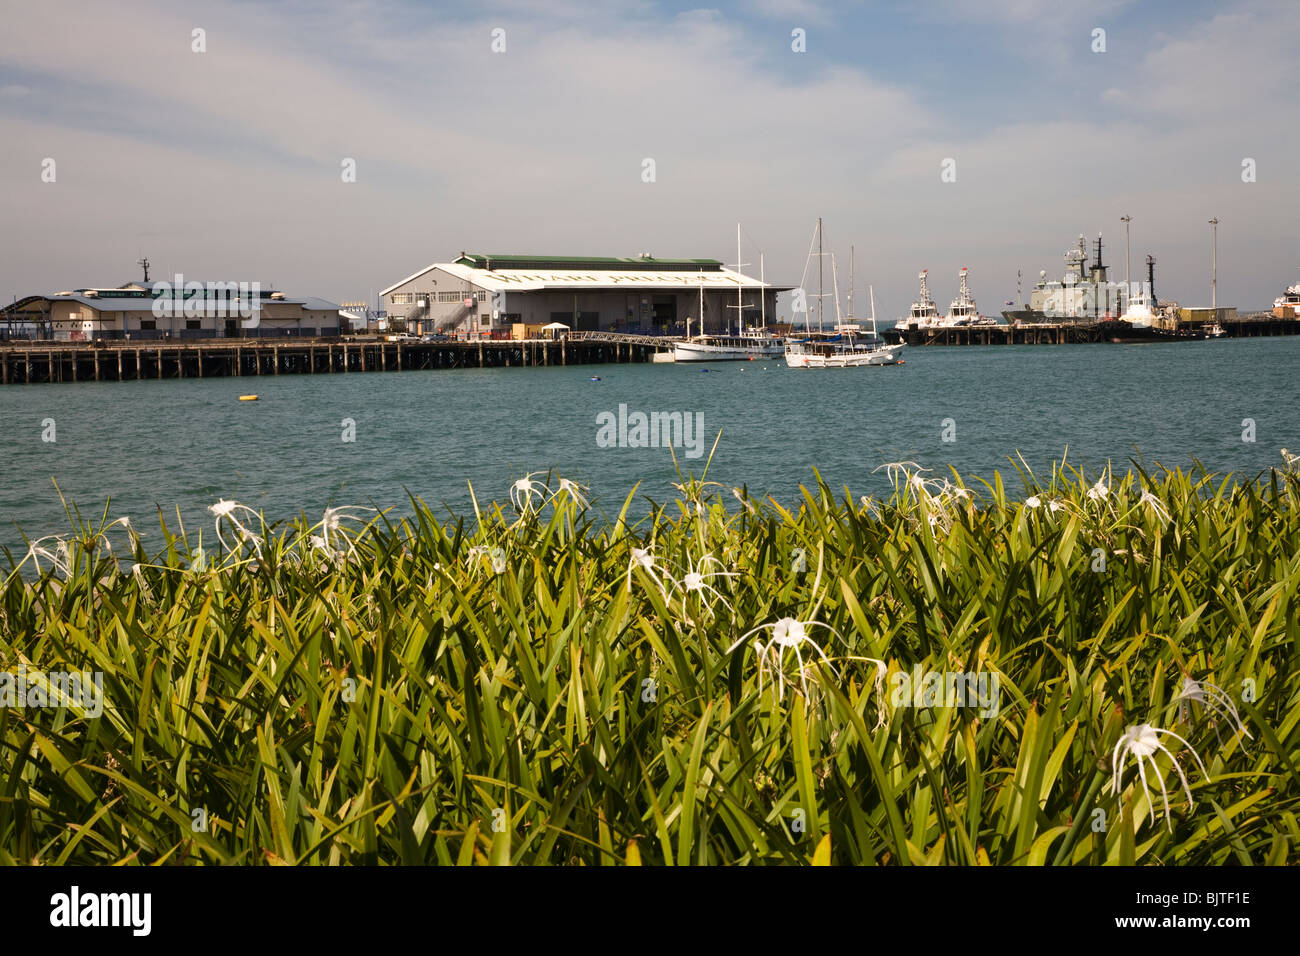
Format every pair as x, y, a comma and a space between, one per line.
1083, 295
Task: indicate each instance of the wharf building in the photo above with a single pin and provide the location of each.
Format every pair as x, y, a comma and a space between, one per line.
146, 311
497, 296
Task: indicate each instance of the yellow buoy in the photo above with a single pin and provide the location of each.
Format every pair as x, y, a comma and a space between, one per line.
248, 398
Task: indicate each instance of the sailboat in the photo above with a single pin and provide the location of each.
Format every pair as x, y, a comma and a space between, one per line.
744, 345
844, 348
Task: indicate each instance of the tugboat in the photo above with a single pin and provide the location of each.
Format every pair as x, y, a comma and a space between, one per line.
1287, 305
963, 312
1142, 321
924, 314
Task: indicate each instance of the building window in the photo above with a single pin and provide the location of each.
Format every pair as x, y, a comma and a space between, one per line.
402, 298
193, 323
147, 324
485, 320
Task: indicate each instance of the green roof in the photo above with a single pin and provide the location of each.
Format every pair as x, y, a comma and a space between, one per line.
601, 263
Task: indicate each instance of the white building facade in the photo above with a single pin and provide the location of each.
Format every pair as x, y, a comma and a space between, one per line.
487, 295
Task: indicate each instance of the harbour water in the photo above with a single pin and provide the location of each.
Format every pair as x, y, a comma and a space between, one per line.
185, 444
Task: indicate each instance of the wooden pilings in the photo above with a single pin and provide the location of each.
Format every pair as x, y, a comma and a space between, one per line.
22, 362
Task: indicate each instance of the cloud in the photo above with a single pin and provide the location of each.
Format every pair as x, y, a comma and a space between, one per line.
795, 11
229, 161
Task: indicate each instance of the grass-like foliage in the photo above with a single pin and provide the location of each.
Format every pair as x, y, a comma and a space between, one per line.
716, 682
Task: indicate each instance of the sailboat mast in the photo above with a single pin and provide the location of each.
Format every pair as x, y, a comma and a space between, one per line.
762, 278
820, 288
873, 310
835, 287
850, 283
739, 289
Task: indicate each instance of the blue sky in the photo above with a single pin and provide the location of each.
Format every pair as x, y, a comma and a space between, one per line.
226, 164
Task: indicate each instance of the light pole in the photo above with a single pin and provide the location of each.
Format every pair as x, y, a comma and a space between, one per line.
1128, 278
1214, 274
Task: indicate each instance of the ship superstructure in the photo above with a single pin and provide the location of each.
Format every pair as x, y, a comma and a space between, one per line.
1287, 305
1082, 294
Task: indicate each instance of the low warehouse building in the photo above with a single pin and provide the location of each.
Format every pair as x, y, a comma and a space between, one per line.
135, 311
489, 295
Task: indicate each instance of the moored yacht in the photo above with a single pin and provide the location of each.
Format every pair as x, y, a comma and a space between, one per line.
745, 345
749, 344
847, 346
841, 350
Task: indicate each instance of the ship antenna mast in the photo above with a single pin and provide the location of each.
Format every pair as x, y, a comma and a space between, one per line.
144, 264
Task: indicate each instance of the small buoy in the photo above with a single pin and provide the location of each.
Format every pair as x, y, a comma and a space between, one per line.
595, 378
248, 398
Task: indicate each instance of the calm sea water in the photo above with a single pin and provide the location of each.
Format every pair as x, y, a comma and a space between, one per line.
187, 443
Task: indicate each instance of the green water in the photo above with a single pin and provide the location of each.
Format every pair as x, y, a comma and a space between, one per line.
187, 443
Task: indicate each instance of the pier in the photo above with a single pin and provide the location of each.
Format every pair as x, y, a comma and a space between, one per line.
118, 361
1257, 325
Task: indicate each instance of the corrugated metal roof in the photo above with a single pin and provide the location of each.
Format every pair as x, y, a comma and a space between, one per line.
110, 304
603, 263
540, 279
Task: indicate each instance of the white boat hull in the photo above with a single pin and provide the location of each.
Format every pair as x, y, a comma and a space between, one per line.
887, 355
706, 352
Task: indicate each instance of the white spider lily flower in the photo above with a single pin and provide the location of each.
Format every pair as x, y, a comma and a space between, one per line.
137, 572
59, 558
1155, 504
896, 469
870, 506
1211, 698
695, 581
744, 500
229, 510
1099, 491
1142, 741
573, 490
496, 557
522, 491
791, 634
1291, 461
643, 559
332, 521
1054, 506
1033, 501
787, 634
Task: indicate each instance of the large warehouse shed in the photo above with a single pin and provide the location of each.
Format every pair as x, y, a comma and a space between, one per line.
490, 294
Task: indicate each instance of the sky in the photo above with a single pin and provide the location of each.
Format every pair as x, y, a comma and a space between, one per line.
230, 164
